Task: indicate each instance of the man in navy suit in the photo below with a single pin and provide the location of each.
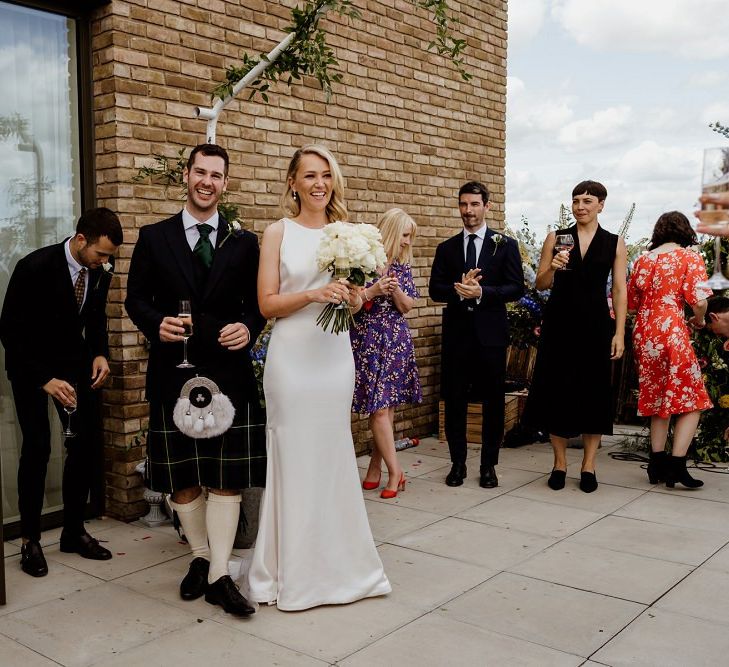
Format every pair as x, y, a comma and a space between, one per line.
200, 257
53, 327
475, 273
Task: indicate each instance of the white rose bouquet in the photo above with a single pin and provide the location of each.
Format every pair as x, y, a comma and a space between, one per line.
353, 253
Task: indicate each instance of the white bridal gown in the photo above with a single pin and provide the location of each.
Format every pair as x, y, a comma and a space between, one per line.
314, 542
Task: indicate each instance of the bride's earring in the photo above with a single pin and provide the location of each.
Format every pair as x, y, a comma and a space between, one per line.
295, 195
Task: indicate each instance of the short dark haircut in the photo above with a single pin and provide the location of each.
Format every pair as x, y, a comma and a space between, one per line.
590, 188
98, 222
718, 304
672, 227
474, 188
209, 149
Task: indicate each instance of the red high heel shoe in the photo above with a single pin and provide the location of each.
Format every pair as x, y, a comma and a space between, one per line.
369, 486
387, 494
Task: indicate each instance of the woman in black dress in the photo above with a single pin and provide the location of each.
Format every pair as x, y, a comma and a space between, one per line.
570, 393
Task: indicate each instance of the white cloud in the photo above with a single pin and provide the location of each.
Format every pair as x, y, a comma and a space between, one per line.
606, 127
716, 112
528, 114
648, 25
525, 21
654, 163
708, 79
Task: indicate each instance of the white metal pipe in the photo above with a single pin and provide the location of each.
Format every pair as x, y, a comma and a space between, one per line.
211, 114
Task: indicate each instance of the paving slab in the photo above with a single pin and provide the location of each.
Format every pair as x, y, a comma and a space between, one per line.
613, 573
24, 591
331, 632
389, 521
209, 643
437, 498
424, 581
92, 624
475, 543
530, 516
434, 641
680, 508
12, 653
560, 617
660, 637
655, 540
509, 479
703, 594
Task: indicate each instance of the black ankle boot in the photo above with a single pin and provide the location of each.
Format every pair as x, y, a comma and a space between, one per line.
657, 467
677, 473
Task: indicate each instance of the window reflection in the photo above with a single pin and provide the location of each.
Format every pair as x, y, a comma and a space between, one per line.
40, 190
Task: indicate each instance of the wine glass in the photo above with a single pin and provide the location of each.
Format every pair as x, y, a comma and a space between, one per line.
69, 410
715, 178
185, 314
564, 242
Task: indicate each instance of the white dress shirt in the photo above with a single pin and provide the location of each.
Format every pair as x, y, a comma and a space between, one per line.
191, 231
74, 269
478, 242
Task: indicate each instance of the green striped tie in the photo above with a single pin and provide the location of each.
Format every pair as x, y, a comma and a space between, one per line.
203, 248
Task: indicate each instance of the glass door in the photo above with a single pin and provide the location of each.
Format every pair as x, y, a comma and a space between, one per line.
40, 193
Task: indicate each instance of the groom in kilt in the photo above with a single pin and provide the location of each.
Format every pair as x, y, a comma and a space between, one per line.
200, 257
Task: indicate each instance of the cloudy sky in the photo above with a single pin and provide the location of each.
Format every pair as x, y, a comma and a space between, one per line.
619, 91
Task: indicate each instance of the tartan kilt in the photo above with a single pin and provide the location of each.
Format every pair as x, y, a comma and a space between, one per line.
234, 460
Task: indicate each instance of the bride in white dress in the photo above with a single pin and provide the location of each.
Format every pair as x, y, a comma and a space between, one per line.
314, 543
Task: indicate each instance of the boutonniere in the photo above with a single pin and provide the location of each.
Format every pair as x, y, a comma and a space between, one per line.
498, 239
108, 269
235, 229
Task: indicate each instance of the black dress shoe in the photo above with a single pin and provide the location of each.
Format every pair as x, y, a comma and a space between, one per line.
85, 546
588, 482
456, 475
488, 480
557, 479
195, 582
225, 593
32, 560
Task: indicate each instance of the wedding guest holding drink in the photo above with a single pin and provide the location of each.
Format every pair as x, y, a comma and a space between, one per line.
663, 281
714, 214
53, 327
570, 393
314, 543
194, 276
384, 356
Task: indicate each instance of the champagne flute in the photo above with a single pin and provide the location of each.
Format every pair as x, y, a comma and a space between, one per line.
715, 178
185, 314
69, 410
562, 243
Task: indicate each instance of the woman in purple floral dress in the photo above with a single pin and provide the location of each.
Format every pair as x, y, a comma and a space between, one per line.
384, 356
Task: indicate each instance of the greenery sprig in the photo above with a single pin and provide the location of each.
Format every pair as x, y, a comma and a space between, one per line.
309, 54
720, 129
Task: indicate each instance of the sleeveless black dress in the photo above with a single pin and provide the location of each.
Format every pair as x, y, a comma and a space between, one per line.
571, 389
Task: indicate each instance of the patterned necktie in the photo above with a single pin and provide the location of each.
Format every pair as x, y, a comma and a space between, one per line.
204, 248
471, 252
79, 287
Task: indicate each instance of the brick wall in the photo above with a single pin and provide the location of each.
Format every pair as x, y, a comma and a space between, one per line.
406, 130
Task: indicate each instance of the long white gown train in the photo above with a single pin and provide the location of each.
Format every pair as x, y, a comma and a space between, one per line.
314, 544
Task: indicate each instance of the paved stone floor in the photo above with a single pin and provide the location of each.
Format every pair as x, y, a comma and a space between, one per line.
517, 575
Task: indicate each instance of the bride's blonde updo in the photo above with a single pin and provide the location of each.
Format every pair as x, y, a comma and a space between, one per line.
336, 208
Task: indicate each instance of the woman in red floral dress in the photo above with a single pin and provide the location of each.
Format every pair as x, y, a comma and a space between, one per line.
662, 281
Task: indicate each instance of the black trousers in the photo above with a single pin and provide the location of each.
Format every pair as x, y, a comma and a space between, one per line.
31, 406
479, 374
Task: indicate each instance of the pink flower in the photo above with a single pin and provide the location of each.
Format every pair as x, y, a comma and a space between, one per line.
538, 332
726, 345
703, 362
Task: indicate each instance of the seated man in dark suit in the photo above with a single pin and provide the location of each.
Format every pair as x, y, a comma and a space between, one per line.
53, 327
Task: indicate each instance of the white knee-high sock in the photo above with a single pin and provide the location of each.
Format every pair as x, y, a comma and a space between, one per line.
192, 518
222, 521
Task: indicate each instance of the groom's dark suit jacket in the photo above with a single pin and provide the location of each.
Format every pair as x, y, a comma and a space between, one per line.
41, 328
466, 323
163, 271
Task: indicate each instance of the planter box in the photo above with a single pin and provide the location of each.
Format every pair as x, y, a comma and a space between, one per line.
513, 408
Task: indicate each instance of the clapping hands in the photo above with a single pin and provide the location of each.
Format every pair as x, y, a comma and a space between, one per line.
469, 287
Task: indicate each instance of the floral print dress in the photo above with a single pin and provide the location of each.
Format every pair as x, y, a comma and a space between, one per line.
669, 376
384, 356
